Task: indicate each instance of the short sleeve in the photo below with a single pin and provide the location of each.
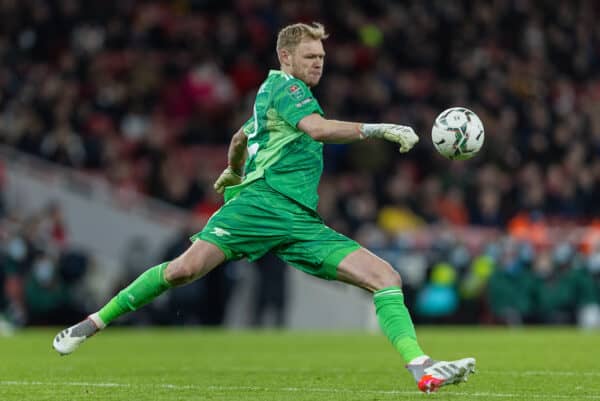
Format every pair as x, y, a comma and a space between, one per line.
294, 101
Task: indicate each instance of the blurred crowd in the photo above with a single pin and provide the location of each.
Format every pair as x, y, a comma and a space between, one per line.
134, 90
497, 278
505, 281
45, 280
147, 94
39, 271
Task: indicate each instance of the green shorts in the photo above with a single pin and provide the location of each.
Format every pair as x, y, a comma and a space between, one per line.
260, 219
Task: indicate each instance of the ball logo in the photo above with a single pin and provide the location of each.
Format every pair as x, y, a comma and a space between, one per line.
457, 133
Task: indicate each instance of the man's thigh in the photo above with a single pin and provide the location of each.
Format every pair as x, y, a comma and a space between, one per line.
316, 248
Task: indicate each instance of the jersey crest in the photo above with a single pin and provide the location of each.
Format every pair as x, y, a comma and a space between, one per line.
296, 92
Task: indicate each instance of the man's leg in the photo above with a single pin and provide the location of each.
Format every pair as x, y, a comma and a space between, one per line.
200, 258
366, 270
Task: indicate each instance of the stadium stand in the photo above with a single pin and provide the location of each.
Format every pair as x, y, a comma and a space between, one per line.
145, 95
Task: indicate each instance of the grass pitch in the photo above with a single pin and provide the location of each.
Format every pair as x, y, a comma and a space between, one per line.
199, 364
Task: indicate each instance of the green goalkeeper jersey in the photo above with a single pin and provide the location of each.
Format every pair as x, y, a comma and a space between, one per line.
289, 160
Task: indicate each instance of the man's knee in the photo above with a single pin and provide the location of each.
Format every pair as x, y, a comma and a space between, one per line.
381, 275
178, 272
200, 258
366, 270
388, 277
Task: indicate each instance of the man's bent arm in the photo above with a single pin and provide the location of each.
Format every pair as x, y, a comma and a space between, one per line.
236, 155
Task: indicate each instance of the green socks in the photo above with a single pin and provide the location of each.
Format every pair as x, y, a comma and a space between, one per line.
142, 290
396, 323
392, 314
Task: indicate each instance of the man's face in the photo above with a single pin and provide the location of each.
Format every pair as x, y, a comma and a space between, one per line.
306, 61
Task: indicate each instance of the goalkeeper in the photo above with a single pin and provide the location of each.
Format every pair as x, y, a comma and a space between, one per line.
275, 163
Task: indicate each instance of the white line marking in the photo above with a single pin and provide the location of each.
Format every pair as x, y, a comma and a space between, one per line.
72, 384
480, 371
295, 390
541, 373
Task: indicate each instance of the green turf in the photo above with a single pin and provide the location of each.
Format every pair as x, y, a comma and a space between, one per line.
197, 364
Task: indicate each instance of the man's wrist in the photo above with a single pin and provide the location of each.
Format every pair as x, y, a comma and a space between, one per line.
369, 130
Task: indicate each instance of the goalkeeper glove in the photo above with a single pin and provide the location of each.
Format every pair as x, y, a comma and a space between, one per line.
227, 178
400, 134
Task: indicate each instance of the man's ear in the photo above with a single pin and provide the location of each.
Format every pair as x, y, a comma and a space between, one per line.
285, 57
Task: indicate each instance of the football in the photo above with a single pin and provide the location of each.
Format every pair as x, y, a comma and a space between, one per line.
457, 133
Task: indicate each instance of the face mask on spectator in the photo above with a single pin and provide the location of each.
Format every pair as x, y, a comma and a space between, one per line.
594, 264
43, 271
17, 249
513, 266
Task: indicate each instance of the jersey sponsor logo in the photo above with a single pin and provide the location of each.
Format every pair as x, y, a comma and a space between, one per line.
302, 103
219, 232
296, 91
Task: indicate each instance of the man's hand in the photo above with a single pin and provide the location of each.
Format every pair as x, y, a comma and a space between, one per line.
400, 134
227, 178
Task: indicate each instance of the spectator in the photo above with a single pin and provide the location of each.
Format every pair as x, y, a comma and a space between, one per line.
270, 292
48, 299
438, 299
511, 288
564, 287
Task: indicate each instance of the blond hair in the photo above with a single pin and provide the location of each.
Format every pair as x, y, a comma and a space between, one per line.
291, 36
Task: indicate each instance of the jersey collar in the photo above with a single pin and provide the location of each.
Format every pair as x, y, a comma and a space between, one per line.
279, 72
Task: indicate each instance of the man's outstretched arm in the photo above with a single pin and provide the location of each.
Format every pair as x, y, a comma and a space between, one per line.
333, 131
236, 157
